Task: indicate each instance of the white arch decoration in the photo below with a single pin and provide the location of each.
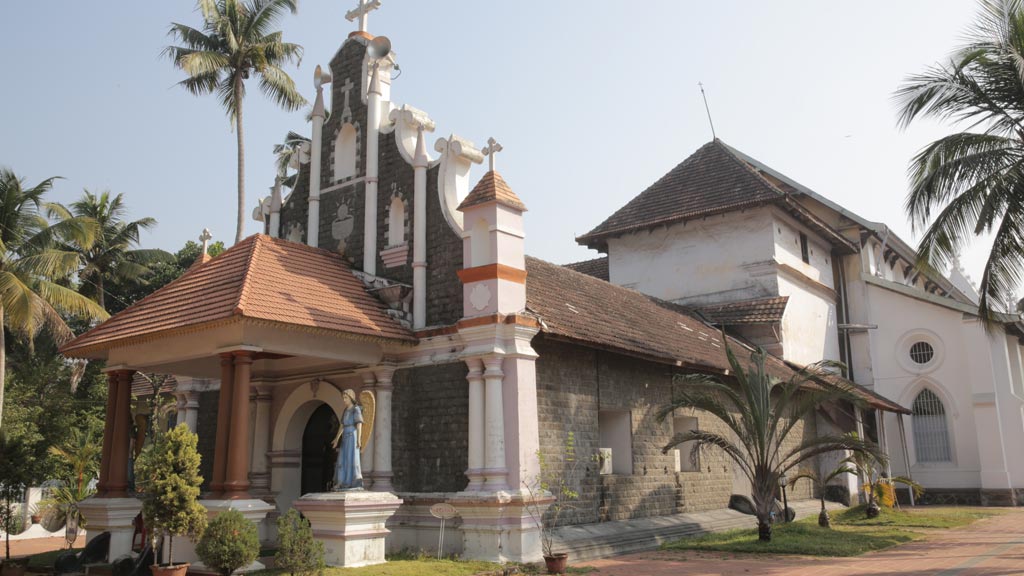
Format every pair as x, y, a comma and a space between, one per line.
907, 398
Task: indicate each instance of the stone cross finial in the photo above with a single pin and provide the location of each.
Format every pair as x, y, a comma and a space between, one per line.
363, 13
492, 148
205, 238
346, 88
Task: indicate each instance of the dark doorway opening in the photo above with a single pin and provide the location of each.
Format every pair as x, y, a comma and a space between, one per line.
317, 455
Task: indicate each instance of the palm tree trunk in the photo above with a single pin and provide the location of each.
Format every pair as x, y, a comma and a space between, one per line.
100, 298
3, 364
241, 160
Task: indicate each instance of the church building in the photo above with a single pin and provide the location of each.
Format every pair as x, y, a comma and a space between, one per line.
387, 269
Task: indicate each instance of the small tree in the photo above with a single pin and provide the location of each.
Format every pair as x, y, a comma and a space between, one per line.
869, 468
167, 475
230, 542
552, 486
298, 551
14, 478
820, 482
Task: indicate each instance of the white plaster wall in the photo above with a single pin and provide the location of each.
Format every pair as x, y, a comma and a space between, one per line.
700, 261
809, 330
897, 316
786, 234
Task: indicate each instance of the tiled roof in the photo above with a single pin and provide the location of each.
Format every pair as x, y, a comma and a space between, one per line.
598, 267
584, 309
260, 278
757, 311
492, 187
712, 180
143, 386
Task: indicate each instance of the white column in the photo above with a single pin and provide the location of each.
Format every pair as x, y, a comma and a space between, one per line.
260, 477
476, 424
275, 209
494, 425
313, 225
372, 145
419, 243
182, 412
366, 460
382, 432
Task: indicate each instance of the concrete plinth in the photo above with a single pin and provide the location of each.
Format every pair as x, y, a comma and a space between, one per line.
253, 510
498, 526
114, 515
350, 524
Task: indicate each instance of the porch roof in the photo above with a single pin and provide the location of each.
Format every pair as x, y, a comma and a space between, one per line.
262, 279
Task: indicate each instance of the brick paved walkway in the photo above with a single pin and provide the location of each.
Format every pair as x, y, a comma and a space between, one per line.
990, 547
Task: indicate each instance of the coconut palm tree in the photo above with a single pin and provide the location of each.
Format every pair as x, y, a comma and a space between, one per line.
762, 412
235, 42
287, 153
110, 256
33, 269
972, 182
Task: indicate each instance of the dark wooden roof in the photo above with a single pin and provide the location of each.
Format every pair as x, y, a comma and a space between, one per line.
598, 267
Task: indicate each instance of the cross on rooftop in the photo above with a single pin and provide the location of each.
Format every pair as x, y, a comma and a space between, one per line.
363, 13
492, 148
205, 238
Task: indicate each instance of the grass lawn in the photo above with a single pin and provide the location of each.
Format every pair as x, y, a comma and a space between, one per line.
46, 559
851, 534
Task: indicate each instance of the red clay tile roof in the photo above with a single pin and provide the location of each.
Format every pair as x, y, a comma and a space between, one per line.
713, 180
584, 309
260, 278
598, 268
492, 187
143, 386
759, 311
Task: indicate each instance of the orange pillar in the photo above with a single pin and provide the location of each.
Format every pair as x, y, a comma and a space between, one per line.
236, 477
117, 473
227, 382
108, 432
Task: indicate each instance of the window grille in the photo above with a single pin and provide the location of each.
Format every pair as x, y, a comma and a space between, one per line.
931, 434
922, 352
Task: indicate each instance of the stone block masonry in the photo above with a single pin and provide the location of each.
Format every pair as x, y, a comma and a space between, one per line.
430, 428
575, 383
206, 429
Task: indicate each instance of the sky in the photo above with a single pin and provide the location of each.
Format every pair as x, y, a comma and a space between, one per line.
592, 100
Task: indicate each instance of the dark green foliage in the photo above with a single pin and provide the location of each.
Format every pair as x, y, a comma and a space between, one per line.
14, 478
125, 292
299, 552
229, 542
167, 475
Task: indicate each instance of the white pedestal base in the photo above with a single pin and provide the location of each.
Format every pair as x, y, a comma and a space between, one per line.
253, 510
498, 527
114, 515
350, 524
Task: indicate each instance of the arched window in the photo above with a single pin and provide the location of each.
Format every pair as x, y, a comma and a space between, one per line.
396, 222
345, 153
931, 434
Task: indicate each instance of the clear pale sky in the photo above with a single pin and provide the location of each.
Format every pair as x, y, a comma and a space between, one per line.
593, 100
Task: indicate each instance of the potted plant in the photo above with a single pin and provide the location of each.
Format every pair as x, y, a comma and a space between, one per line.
551, 493
167, 476
298, 552
229, 542
34, 514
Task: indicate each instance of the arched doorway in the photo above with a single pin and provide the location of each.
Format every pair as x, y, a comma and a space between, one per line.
317, 455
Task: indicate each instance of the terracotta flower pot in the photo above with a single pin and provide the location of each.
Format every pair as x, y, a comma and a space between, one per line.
170, 569
556, 563
36, 518
14, 567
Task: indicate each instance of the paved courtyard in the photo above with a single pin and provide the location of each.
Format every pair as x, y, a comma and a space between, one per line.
990, 547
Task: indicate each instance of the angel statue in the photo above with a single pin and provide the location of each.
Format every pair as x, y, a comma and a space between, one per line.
353, 433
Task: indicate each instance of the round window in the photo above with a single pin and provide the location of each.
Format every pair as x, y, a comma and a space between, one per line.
922, 352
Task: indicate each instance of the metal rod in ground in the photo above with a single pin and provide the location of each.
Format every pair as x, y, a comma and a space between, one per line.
440, 540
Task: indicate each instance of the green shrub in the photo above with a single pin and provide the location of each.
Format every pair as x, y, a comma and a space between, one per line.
298, 553
167, 474
230, 542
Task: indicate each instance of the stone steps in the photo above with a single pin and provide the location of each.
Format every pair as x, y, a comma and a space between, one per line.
594, 541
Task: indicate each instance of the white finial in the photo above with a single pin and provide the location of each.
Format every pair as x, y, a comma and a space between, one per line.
205, 238
363, 13
492, 148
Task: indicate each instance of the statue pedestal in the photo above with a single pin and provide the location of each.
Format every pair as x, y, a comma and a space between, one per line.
350, 524
114, 515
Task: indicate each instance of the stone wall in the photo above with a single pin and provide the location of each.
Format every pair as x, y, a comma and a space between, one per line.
430, 429
206, 424
574, 383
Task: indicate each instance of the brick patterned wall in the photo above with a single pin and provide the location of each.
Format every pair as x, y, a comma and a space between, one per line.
206, 424
430, 429
574, 383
